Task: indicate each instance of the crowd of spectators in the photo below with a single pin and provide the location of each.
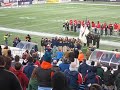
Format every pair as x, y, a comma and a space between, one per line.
57, 69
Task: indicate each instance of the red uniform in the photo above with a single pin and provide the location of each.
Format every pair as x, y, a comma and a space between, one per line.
71, 22
88, 23
98, 24
79, 21
83, 23
93, 24
116, 26
75, 22
104, 25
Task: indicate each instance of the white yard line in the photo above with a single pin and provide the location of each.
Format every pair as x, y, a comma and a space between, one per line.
104, 42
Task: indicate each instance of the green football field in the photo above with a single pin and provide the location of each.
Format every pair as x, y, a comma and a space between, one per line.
50, 17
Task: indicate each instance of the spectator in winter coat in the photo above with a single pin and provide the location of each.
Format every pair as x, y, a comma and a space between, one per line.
36, 60
5, 51
66, 54
100, 70
84, 68
21, 76
95, 87
80, 56
17, 59
71, 56
76, 52
108, 80
116, 72
8, 80
55, 68
64, 65
59, 82
59, 55
33, 83
28, 69
8, 61
91, 78
73, 76
10, 54
44, 72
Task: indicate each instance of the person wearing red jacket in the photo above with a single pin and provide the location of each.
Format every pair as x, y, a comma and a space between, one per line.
115, 28
98, 27
88, 24
71, 24
21, 76
93, 27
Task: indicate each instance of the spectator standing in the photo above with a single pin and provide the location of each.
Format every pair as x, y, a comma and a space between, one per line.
108, 79
59, 54
28, 38
59, 82
55, 67
16, 41
8, 80
64, 65
71, 55
116, 72
73, 76
44, 72
28, 69
76, 52
5, 51
84, 68
21, 76
91, 78
33, 83
100, 70
80, 56
16, 60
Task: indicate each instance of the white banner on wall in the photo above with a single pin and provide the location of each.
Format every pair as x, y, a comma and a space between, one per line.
62, 1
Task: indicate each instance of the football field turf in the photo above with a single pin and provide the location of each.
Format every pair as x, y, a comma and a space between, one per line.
50, 17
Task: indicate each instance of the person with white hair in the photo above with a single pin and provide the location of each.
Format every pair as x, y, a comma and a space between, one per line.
73, 76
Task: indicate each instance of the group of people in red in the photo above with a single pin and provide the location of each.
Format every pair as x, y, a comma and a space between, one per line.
95, 27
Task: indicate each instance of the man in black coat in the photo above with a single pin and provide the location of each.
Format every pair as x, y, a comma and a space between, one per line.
8, 81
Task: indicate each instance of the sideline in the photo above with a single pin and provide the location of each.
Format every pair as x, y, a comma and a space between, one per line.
104, 42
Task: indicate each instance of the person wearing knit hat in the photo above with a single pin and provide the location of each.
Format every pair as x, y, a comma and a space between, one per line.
74, 77
44, 73
47, 56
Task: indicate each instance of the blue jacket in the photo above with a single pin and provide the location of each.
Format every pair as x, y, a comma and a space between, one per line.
83, 68
91, 78
72, 77
29, 69
64, 66
59, 55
